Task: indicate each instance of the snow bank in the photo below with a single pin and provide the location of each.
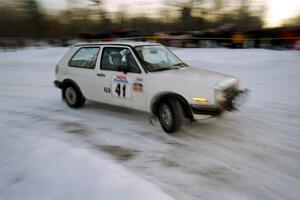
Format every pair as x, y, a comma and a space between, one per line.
49, 151
42, 168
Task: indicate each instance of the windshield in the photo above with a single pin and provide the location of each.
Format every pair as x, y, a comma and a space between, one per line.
158, 58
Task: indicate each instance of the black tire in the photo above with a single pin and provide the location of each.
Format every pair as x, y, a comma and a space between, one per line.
73, 96
170, 115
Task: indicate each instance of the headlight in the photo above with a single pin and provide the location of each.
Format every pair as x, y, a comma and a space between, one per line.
226, 91
220, 96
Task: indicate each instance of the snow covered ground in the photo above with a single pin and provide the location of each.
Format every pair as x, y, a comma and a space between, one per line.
49, 151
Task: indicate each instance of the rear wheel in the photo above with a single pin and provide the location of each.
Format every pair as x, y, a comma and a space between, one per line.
170, 115
73, 96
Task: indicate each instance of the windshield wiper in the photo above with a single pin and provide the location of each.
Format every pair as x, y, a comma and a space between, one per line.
162, 69
180, 64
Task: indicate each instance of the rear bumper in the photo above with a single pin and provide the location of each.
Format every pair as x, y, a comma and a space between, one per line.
58, 84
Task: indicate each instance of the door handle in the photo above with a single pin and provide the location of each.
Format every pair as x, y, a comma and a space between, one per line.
101, 75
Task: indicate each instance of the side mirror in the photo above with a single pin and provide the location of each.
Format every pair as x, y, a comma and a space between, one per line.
125, 69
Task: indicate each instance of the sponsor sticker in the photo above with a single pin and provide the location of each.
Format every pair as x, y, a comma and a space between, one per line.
120, 86
120, 79
138, 87
138, 79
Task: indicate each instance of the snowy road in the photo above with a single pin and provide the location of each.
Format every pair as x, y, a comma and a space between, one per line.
250, 154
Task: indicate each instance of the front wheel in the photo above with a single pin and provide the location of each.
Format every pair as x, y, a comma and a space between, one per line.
170, 116
73, 96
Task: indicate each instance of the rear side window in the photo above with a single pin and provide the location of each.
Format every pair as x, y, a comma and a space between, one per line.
85, 57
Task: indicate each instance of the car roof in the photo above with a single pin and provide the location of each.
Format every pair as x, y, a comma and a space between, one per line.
125, 43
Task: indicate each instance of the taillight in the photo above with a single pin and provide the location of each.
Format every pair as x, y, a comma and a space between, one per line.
56, 69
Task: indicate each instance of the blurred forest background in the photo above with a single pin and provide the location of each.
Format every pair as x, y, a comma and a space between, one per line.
28, 19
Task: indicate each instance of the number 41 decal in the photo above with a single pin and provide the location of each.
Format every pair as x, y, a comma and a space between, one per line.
121, 92
121, 86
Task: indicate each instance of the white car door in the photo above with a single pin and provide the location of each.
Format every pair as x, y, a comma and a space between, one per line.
82, 69
121, 81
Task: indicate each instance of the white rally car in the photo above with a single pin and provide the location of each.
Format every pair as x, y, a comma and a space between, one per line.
146, 77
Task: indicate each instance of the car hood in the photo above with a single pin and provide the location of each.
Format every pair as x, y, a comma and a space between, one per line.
202, 76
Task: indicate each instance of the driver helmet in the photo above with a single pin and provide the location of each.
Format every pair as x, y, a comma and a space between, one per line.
115, 58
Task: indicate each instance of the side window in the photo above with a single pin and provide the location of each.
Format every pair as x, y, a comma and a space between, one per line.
118, 59
85, 57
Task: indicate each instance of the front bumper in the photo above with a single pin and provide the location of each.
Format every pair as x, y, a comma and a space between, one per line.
206, 110
232, 102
